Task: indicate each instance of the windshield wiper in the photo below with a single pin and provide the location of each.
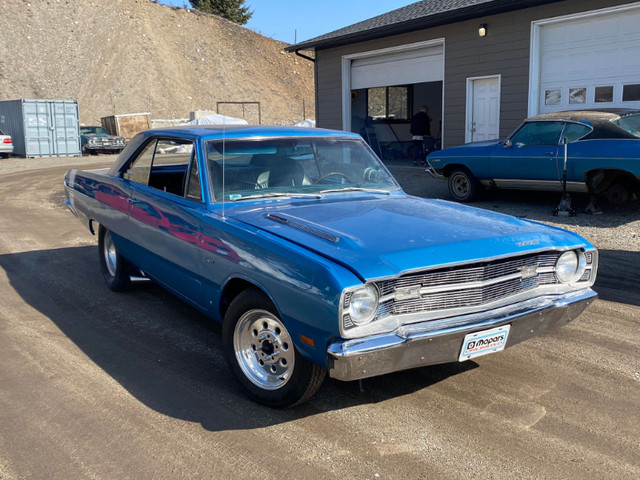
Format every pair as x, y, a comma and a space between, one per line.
356, 189
276, 195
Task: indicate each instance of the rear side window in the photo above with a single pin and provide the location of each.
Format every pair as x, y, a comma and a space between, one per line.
538, 133
140, 167
169, 165
575, 131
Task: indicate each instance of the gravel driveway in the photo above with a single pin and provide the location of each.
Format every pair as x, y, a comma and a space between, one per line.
100, 385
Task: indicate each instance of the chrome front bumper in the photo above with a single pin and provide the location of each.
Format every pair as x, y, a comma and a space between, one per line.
434, 174
421, 344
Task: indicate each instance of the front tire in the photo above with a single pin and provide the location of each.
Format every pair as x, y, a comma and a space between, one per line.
262, 355
115, 270
463, 186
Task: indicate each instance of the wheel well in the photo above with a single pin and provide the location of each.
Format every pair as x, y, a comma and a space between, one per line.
599, 180
234, 288
450, 168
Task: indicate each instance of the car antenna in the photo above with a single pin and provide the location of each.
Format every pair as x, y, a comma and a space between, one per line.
564, 207
224, 128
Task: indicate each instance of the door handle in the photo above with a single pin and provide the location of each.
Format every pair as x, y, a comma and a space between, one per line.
133, 200
550, 153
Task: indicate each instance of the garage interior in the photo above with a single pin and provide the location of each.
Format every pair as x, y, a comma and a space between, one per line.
387, 89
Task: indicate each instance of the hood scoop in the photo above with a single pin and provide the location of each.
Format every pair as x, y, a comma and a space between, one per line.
303, 227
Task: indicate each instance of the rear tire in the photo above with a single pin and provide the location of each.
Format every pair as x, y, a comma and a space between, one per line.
115, 270
463, 186
617, 194
262, 355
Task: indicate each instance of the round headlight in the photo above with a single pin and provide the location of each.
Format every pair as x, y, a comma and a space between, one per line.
568, 267
363, 305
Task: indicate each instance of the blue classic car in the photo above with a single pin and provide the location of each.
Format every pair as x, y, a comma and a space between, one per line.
305, 248
603, 157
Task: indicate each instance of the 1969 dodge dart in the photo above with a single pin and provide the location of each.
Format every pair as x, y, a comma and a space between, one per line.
301, 243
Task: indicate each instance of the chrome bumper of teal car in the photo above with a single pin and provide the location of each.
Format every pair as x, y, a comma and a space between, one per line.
419, 344
433, 173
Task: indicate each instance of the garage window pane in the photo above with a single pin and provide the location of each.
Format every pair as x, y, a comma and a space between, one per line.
377, 103
552, 97
577, 95
388, 104
398, 104
604, 94
631, 93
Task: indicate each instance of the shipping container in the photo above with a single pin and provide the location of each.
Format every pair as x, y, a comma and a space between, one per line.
42, 128
127, 125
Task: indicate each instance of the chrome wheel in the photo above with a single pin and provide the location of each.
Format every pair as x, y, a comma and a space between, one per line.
264, 349
110, 254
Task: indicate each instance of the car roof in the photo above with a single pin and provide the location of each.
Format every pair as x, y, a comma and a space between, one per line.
600, 120
229, 132
209, 132
604, 114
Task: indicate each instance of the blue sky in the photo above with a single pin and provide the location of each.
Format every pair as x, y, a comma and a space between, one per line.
280, 19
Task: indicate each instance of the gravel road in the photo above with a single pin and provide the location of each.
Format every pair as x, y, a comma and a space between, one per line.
100, 385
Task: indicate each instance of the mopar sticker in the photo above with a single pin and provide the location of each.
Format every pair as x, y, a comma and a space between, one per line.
486, 341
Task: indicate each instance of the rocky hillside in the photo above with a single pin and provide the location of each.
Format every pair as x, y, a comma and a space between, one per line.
128, 56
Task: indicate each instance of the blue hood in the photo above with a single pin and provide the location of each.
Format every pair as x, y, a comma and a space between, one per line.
379, 236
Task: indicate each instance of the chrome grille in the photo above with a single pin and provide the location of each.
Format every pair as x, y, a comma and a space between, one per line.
473, 295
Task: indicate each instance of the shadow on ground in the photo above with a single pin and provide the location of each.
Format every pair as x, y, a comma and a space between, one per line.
167, 354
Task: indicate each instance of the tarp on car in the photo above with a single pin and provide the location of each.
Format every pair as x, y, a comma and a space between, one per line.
306, 123
217, 119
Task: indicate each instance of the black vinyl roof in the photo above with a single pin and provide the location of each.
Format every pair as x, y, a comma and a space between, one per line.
416, 16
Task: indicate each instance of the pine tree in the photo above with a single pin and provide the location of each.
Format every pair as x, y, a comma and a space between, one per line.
233, 10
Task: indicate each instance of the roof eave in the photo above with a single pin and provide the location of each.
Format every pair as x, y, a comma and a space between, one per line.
460, 15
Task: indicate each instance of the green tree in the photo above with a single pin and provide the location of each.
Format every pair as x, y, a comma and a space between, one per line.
233, 10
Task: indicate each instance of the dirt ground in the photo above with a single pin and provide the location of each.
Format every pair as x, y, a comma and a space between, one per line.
95, 384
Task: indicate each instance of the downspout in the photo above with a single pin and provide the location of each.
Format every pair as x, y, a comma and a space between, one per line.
311, 59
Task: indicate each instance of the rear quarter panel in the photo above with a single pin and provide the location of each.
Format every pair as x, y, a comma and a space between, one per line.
616, 154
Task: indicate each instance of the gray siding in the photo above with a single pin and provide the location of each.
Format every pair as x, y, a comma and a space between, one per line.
504, 51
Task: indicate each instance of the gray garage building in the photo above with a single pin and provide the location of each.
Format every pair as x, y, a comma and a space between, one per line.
481, 66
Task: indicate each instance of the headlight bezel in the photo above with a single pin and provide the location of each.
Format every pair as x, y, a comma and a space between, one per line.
348, 308
573, 275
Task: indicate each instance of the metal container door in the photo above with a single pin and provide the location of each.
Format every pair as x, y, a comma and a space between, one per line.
66, 138
38, 131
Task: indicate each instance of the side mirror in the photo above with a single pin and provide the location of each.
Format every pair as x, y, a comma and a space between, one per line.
507, 143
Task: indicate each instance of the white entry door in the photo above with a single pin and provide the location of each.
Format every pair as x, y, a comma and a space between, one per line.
483, 109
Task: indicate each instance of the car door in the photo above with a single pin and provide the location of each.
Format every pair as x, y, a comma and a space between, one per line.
529, 158
165, 211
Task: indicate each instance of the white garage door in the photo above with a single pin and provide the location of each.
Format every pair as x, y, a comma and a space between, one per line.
400, 68
590, 62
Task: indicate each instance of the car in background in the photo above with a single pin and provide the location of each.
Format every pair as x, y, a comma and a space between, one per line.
6, 145
301, 243
603, 156
96, 140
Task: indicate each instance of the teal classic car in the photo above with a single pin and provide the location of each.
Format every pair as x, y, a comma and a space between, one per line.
304, 247
603, 157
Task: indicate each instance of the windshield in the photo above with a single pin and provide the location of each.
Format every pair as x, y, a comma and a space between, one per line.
92, 130
294, 167
630, 123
